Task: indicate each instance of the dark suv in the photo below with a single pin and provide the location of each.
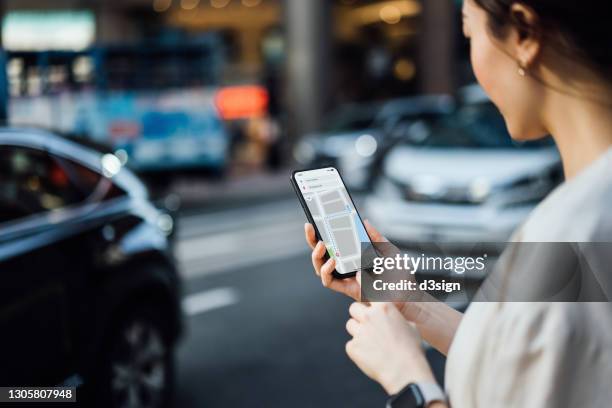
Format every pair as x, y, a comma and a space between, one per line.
89, 292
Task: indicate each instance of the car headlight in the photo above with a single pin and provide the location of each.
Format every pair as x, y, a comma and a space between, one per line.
385, 188
111, 165
526, 190
430, 186
366, 145
479, 190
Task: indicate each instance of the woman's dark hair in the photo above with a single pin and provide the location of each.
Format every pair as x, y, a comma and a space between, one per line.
577, 28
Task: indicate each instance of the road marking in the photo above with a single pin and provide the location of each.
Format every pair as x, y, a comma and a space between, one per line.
209, 300
227, 252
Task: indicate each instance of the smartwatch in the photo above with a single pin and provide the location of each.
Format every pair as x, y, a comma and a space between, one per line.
417, 395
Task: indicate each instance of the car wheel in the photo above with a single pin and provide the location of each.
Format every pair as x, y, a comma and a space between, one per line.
139, 365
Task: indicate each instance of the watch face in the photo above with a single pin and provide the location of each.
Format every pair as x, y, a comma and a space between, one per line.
409, 397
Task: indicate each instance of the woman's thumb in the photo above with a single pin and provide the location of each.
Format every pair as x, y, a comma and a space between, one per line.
375, 236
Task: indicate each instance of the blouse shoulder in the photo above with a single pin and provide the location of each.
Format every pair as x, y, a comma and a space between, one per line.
577, 211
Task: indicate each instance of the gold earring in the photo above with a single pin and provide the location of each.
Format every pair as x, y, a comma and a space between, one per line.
522, 71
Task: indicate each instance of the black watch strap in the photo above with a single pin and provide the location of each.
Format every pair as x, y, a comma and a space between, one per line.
416, 395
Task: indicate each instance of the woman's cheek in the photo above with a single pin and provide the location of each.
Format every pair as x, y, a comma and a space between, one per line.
492, 75
484, 68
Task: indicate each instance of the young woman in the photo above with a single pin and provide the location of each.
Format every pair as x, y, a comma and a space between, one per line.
547, 65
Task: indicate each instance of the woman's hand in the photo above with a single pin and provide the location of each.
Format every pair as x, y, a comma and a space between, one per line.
324, 269
386, 347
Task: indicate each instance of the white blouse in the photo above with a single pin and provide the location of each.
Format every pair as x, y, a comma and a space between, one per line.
543, 354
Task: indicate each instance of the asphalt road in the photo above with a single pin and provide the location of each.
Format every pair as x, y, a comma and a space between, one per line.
261, 331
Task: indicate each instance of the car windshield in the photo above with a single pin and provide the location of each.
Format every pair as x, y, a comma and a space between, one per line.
351, 119
477, 126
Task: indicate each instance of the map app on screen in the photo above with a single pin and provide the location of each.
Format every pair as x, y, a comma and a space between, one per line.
335, 216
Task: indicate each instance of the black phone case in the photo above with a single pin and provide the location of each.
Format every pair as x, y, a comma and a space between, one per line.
311, 220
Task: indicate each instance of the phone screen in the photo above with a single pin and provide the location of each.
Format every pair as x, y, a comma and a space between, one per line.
335, 216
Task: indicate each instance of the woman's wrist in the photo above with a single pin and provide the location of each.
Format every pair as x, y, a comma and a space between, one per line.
416, 369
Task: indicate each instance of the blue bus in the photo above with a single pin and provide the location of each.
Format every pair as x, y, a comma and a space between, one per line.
155, 104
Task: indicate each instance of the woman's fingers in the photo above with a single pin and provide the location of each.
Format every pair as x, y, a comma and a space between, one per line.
351, 327
311, 238
375, 236
327, 271
325, 268
317, 257
358, 311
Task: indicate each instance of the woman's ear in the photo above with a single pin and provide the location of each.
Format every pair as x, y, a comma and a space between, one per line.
528, 39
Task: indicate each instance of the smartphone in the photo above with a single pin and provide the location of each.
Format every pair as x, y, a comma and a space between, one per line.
330, 209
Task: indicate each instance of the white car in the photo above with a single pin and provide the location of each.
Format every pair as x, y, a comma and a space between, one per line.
461, 181
354, 133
